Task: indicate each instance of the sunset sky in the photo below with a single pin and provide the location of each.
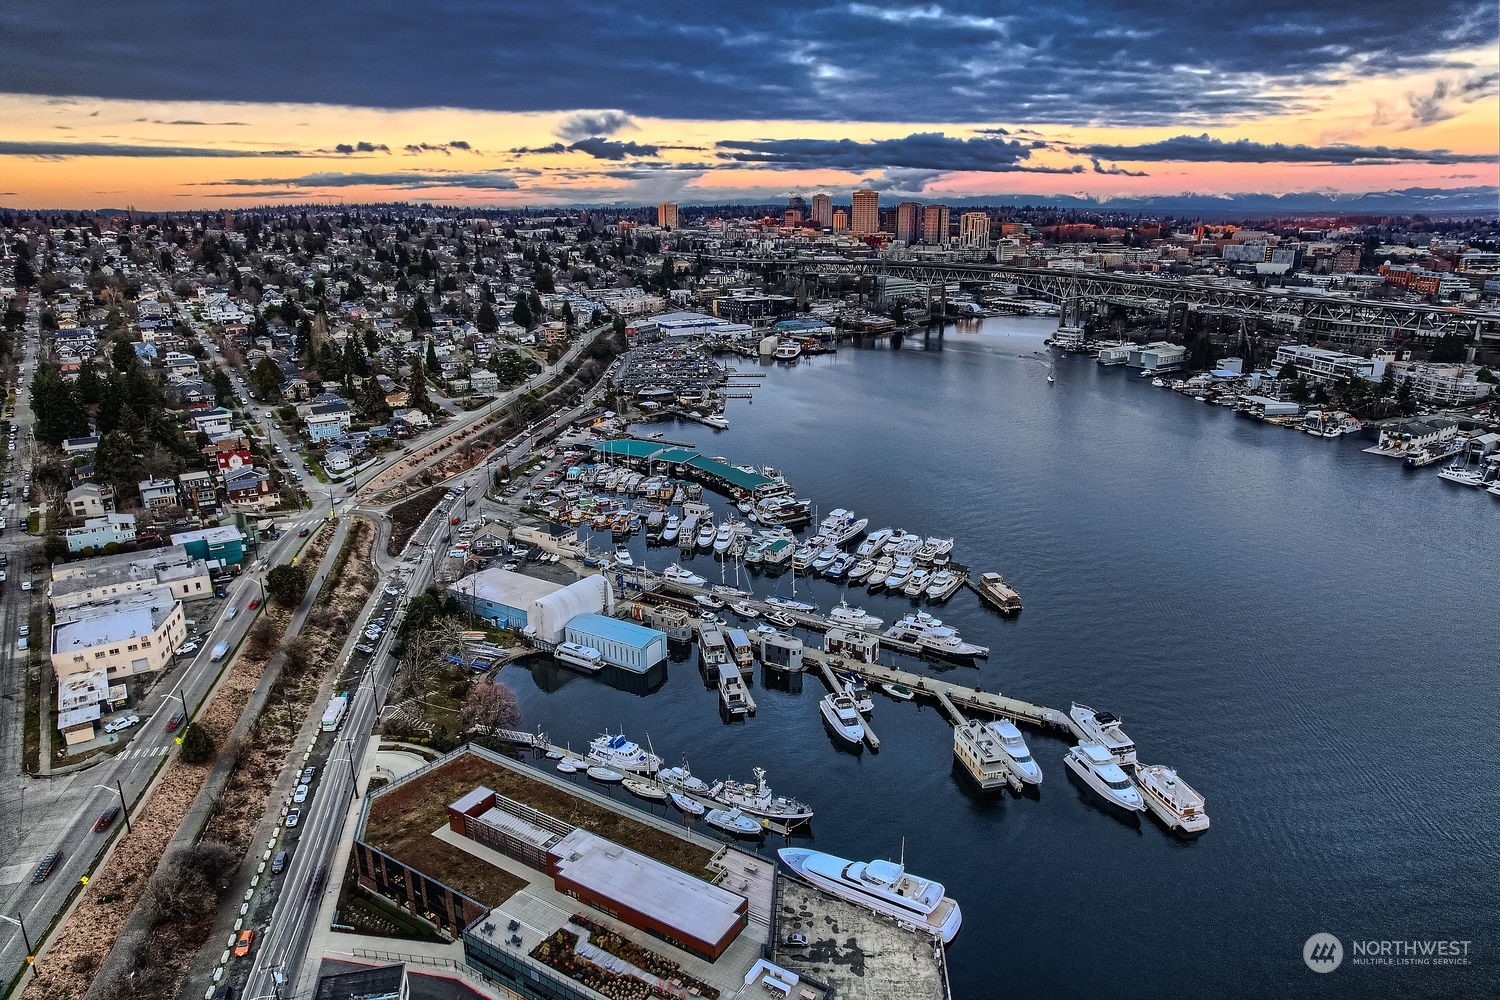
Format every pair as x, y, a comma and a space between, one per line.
193, 105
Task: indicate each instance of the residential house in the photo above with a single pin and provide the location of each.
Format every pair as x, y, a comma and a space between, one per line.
337, 460
98, 532
214, 423
90, 500
199, 491
157, 493
80, 445
249, 487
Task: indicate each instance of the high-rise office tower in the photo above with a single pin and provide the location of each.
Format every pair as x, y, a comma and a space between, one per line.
906, 221
822, 211
935, 225
974, 229
864, 215
840, 220
666, 215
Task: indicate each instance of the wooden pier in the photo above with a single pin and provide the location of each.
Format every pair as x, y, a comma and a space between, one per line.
954, 698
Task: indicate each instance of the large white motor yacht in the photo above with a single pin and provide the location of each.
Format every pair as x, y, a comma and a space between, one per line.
1096, 766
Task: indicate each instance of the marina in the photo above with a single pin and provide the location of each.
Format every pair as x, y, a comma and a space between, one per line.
1079, 639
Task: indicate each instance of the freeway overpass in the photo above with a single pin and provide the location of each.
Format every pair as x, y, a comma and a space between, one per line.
1313, 317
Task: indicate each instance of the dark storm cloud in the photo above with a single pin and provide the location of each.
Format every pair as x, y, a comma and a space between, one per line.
1204, 149
1115, 168
484, 180
590, 123
347, 149
446, 148
1079, 61
920, 151
57, 150
602, 149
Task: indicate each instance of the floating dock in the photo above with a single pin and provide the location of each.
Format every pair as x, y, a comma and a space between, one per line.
825, 666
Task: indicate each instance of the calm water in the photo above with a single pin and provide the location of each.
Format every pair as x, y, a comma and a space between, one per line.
1304, 631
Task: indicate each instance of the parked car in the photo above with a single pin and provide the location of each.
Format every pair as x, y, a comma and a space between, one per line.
106, 819
292, 818
308, 774
24, 630
244, 942
278, 863
121, 723
300, 795
794, 941
187, 647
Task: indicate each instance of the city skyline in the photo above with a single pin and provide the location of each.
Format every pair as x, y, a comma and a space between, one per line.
938, 103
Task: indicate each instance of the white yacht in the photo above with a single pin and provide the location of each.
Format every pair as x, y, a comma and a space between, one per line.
669, 530
824, 559
900, 572
1103, 728
916, 584
681, 778
1173, 800
1014, 745
585, 658
788, 350
1463, 475
879, 572
733, 821
676, 574
935, 550
838, 711
623, 556
621, 754
1096, 766
943, 585
873, 543
758, 800
841, 526
787, 604
846, 616
724, 537
883, 886
706, 532
860, 570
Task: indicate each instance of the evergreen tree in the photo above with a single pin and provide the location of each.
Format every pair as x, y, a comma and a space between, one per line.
431, 360
265, 381
486, 320
521, 314
416, 388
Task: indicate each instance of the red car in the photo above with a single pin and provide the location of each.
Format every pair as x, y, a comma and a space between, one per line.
253, 605
452, 520
106, 819
303, 533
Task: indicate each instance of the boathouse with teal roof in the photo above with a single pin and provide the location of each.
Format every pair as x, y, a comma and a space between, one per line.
688, 463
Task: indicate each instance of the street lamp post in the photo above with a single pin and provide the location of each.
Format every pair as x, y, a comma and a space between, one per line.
19, 921
124, 805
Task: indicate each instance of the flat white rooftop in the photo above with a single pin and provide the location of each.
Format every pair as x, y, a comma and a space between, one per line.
665, 894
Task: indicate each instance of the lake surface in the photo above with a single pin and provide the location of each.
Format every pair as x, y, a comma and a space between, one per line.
1306, 632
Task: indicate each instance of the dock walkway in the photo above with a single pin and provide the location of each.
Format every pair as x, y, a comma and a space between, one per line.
955, 698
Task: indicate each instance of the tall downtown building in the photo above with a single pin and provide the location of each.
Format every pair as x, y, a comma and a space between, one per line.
906, 221
935, 224
666, 215
864, 214
822, 211
974, 229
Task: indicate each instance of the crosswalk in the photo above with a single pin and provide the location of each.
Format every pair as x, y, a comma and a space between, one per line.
139, 752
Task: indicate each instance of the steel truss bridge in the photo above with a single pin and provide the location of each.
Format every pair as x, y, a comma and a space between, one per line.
1363, 322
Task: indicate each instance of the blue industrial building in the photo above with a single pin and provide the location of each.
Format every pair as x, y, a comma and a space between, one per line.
624, 644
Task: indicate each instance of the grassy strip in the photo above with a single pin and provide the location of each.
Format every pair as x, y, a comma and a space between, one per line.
408, 515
